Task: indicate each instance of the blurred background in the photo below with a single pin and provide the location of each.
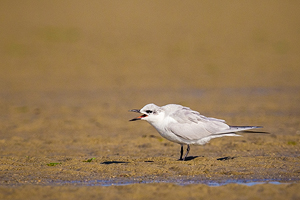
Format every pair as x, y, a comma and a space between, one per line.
49, 45
78, 61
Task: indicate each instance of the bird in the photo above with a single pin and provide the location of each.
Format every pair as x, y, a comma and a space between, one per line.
185, 126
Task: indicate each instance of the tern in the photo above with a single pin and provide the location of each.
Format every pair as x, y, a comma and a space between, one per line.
185, 126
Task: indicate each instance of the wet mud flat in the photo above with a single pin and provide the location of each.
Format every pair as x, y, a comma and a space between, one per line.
59, 150
154, 191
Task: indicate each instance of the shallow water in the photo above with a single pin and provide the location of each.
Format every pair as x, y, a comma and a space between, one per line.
182, 182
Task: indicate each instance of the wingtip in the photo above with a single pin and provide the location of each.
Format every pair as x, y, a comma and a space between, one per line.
258, 126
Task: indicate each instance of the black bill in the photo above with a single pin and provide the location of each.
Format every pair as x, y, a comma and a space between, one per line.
137, 118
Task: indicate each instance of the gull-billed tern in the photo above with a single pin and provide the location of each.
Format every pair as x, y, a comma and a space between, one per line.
184, 126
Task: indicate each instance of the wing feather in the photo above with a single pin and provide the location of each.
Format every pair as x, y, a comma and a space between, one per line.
190, 125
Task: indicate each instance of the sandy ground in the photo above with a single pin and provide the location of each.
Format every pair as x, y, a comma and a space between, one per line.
71, 70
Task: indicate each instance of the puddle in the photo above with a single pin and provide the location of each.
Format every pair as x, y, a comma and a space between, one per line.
242, 182
182, 182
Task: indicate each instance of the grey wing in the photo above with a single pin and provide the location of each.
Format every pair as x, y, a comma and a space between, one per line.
191, 125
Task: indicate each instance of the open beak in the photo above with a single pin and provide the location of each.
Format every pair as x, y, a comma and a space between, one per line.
137, 118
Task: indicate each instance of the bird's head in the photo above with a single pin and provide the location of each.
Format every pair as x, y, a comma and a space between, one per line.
150, 113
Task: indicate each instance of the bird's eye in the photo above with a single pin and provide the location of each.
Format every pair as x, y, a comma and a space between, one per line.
148, 111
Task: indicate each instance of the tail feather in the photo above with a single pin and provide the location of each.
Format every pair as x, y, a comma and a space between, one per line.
233, 129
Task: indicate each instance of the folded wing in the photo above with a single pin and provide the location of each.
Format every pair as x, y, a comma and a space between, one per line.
189, 124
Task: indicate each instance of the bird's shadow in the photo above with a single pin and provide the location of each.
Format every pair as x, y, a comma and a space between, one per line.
113, 162
226, 158
190, 158
221, 159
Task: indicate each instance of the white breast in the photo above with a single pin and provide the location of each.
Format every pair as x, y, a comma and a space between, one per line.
162, 127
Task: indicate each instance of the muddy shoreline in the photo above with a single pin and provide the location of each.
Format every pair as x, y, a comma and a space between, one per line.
70, 146
60, 147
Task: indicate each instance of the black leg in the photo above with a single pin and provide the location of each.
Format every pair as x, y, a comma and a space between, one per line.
181, 152
187, 151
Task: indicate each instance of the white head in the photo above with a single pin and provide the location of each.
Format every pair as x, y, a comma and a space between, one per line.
151, 113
